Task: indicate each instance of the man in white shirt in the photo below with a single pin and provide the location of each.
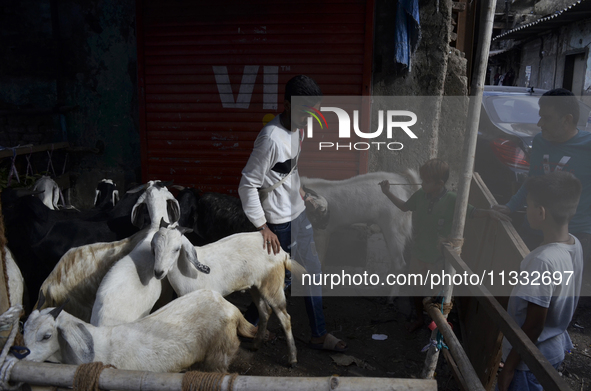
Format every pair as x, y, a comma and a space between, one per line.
282, 213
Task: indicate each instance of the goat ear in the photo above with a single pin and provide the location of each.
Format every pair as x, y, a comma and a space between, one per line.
308, 190
97, 193
76, 342
163, 223
178, 187
185, 230
56, 196
137, 214
191, 256
115, 197
174, 210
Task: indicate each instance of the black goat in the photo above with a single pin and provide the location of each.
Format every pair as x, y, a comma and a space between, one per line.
39, 236
106, 195
212, 216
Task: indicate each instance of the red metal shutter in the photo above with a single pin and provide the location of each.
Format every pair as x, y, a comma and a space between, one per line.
211, 74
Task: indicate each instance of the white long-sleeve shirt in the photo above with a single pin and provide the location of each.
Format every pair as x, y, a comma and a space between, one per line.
274, 145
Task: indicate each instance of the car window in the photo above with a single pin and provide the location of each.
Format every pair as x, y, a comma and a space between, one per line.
520, 109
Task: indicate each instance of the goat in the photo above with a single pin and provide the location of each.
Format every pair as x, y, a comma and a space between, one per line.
15, 279
81, 270
360, 200
50, 191
106, 195
39, 237
237, 262
129, 290
201, 327
212, 216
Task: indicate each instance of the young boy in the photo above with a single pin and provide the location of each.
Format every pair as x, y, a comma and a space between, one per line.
433, 210
544, 309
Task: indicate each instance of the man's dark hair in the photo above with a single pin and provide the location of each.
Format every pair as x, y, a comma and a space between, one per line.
563, 101
558, 192
303, 85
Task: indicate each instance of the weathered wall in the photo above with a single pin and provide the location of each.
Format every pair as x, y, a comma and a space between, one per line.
74, 53
429, 77
547, 54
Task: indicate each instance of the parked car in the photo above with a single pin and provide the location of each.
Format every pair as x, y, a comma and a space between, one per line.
508, 124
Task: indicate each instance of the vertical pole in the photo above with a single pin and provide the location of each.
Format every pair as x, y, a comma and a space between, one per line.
487, 14
4, 297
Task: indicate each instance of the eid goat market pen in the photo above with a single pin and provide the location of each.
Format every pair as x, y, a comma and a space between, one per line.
479, 355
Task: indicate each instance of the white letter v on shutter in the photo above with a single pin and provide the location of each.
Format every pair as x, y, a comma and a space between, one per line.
225, 88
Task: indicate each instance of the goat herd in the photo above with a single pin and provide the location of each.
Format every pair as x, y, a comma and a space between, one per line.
103, 276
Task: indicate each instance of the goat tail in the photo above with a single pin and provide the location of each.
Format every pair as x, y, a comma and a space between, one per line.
245, 328
294, 267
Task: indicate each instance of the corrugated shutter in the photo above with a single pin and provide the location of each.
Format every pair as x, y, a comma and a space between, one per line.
211, 73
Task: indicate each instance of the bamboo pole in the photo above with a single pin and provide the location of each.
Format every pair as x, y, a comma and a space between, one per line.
477, 86
466, 369
62, 375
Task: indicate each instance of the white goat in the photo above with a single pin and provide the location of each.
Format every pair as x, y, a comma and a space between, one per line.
129, 290
51, 191
16, 283
360, 200
81, 270
198, 328
237, 262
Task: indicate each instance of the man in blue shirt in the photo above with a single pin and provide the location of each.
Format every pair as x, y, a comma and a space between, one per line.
560, 147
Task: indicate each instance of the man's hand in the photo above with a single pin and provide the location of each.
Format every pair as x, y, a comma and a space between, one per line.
504, 379
385, 186
270, 240
504, 209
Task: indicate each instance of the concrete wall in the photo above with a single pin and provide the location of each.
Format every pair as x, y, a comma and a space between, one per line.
546, 55
431, 76
74, 53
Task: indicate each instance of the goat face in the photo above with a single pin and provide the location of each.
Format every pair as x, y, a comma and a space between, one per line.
316, 209
41, 335
159, 202
168, 244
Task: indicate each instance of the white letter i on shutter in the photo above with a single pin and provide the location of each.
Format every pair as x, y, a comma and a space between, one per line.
225, 88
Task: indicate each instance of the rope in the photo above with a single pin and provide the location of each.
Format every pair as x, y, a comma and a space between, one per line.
10, 317
447, 307
456, 244
87, 376
205, 381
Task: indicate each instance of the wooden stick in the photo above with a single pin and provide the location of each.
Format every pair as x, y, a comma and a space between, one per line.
62, 375
457, 351
32, 149
544, 372
403, 184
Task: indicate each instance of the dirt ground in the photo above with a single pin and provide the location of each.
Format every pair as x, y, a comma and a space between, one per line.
356, 319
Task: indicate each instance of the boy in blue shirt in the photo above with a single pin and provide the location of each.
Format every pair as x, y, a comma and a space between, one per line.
543, 306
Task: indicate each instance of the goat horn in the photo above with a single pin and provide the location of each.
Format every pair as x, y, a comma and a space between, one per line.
136, 189
40, 300
163, 224
56, 311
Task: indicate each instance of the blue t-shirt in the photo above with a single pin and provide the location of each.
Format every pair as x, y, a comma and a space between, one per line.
572, 156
